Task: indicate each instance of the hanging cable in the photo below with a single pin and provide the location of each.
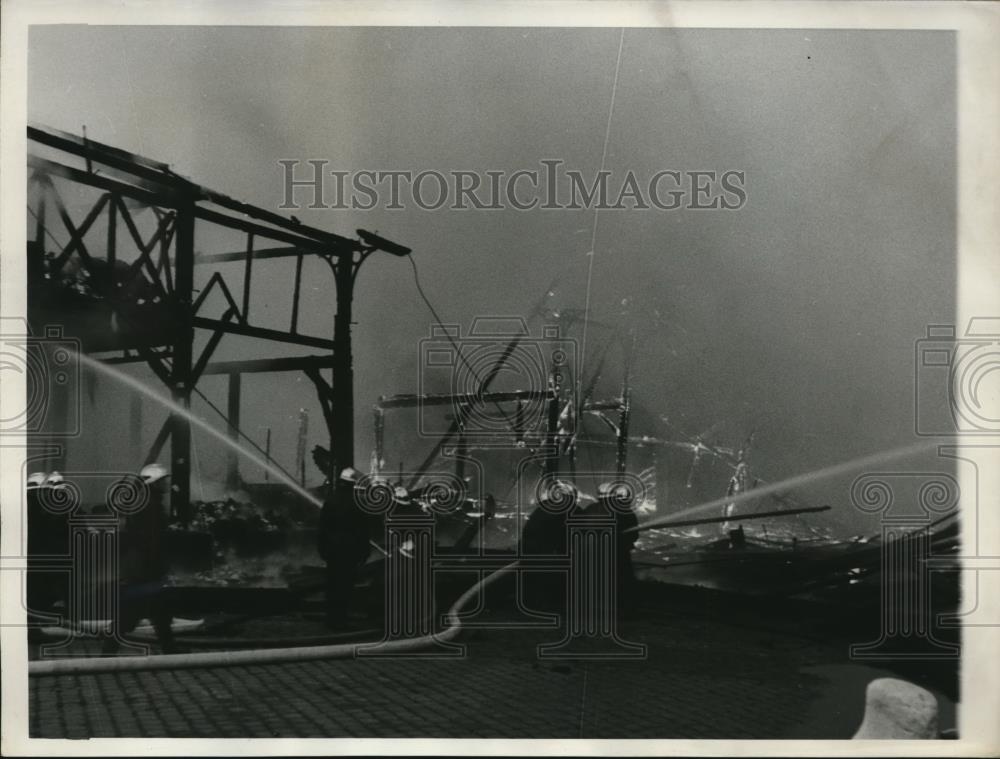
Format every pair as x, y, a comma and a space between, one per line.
451, 339
434, 313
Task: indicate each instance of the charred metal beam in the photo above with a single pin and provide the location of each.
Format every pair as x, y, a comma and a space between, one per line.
114, 157
224, 220
260, 332
101, 182
326, 396
161, 173
284, 364
128, 358
145, 258
162, 226
666, 523
170, 200
342, 400
44, 184
247, 277
76, 233
167, 220
209, 349
296, 293
461, 399
241, 255
216, 279
161, 438
155, 361
328, 239
112, 249
372, 240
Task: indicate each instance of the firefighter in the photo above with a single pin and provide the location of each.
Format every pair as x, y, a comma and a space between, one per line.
618, 500
143, 571
343, 541
544, 534
545, 529
48, 536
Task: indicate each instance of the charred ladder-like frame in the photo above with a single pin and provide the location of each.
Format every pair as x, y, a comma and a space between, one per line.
161, 331
519, 397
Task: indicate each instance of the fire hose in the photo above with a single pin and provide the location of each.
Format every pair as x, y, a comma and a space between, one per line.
101, 665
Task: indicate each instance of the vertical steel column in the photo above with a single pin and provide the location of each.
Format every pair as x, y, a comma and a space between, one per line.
233, 420
342, 434
180, 374
43, 192
297, 293
112, 246
247, 273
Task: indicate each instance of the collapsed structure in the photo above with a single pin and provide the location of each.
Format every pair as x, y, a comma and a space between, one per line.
134, 299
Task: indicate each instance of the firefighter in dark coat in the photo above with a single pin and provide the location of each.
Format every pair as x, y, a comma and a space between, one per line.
343, 542
618, 500
144, 566
48, 538
544, 535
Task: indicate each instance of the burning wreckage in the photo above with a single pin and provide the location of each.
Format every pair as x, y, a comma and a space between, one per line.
251, 554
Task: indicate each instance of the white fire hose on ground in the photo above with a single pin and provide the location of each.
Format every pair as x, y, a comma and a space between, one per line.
100, 665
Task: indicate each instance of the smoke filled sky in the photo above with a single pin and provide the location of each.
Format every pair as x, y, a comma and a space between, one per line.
793, 317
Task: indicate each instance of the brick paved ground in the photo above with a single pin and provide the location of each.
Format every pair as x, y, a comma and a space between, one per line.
702, 679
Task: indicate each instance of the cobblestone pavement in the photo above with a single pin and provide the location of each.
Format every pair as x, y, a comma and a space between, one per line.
701, 679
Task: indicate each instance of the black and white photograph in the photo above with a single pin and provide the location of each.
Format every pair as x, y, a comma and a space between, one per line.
468, 379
